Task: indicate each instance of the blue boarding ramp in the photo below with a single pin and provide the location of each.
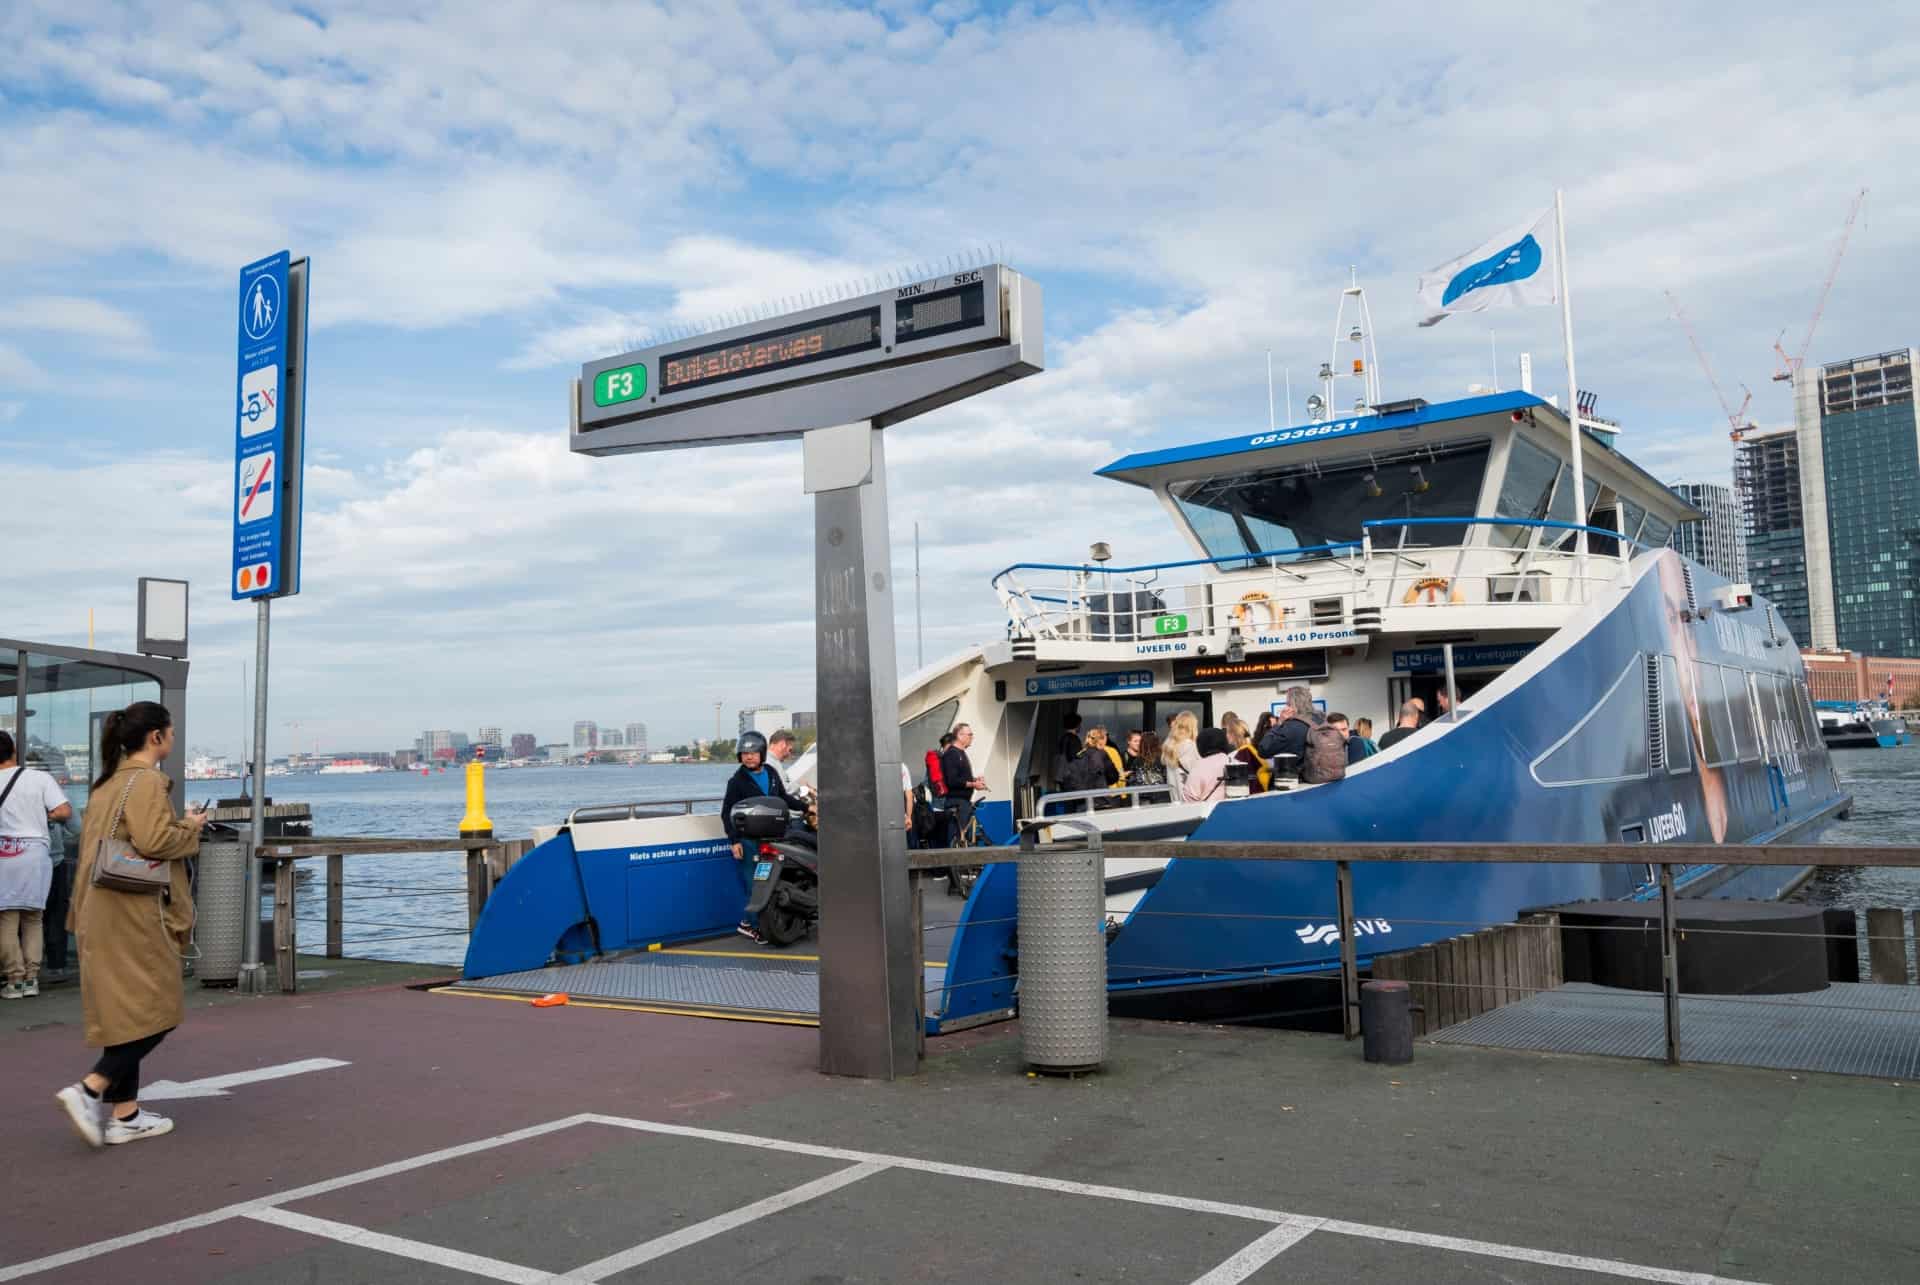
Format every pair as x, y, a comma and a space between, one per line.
612, 879
622, 907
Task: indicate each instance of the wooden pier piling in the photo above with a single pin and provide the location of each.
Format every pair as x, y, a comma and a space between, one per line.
1477, 972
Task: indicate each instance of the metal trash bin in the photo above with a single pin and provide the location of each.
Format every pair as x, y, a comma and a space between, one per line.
220, 908
1063, 951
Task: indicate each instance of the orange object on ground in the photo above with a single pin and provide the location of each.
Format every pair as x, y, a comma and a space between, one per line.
554, 1000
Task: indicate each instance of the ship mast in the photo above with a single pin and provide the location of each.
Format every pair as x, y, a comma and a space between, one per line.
1360, 363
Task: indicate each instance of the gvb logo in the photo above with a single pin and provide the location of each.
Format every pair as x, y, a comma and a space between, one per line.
1320, 935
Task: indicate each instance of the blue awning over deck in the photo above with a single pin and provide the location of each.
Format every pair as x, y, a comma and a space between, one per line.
1128, 467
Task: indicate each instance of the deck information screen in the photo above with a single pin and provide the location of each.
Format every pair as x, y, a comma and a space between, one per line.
1292, 664
772, 350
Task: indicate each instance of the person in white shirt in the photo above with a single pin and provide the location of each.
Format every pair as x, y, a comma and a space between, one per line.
29, 801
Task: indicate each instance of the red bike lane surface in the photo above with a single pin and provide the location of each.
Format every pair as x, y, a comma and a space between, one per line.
426, 1072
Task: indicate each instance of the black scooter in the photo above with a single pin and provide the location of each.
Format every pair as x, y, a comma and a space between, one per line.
785, 852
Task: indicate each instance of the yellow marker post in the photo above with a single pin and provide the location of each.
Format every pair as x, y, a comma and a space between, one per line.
476, 824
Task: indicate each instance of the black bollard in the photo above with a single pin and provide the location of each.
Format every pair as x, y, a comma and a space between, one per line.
1386, 1023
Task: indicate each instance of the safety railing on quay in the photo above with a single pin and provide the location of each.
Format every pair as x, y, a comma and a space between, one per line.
1459, 970
485, 861
1327, 586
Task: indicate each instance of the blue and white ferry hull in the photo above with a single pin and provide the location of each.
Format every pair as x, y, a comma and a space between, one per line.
1646, 719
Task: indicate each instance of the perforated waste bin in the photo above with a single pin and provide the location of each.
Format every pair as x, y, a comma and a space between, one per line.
219, 899
1063, 953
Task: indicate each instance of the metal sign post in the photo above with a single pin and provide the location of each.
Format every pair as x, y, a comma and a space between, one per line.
269, 465
836, 375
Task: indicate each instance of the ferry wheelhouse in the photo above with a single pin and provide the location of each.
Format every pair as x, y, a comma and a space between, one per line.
1616, 693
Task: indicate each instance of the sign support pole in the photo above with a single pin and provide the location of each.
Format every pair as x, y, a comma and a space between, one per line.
868, 975
252, 977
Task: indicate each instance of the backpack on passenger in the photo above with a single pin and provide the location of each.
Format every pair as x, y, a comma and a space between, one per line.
1087, 771
1326, 757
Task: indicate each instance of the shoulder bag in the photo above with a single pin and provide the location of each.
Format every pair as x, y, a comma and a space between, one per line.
118, 866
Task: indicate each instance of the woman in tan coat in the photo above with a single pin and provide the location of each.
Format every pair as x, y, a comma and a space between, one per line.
131, 943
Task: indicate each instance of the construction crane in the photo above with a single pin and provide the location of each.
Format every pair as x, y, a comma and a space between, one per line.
1737, 422
1790, 365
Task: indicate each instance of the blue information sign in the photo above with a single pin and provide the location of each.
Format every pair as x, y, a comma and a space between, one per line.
1119, 680
265, 503
1492, 656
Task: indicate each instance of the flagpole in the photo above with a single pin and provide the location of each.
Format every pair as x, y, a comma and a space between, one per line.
1573, 393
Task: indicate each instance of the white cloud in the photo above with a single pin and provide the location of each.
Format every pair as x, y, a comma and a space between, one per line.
543, 185
69, 315
17, 370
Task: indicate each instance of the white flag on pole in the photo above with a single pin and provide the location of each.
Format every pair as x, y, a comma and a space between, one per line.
1514, 269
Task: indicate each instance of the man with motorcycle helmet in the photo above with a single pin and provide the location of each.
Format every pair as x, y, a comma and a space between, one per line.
754, 778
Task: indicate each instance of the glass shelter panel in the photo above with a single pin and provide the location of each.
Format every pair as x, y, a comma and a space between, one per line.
56, 712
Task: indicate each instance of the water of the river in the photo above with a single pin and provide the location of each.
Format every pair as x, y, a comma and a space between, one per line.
414, 907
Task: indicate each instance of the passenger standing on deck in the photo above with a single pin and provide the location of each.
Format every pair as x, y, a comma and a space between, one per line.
1363, 732
1356, 748
131, 943
956, 770
29, 800
1149, 770
1180, 755
1208, 777
1131, 754
782, 750
1409, 724
754, 777
1289, 733
1240, 748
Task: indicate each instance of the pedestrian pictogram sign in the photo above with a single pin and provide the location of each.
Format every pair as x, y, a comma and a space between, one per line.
267, 427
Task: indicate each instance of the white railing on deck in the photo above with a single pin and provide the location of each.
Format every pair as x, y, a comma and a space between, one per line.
1328, 587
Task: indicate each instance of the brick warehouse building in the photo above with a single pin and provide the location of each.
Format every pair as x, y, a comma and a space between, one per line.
1849, 676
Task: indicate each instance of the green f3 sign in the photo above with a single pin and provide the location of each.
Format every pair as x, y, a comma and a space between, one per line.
1169, 624
628, 383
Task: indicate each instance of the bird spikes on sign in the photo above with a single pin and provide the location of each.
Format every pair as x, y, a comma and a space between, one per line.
892, 278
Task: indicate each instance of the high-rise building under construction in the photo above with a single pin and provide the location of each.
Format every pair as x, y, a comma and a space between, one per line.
1766, 479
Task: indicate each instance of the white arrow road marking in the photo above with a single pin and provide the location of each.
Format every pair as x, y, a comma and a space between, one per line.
216, 1086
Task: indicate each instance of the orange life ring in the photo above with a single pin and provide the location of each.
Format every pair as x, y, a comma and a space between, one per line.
1434, 589
1244, 609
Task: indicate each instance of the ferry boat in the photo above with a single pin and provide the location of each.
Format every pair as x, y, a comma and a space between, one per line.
350, 767
1864, 726
1620, 693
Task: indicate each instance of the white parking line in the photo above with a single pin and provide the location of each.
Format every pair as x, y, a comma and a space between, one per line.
418, 1250
663, 1245
1287, 1228
99, 1247
1455, 1244
1258, 1254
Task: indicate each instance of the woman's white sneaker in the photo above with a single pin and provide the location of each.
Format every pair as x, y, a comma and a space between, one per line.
86, 1114
141, 1124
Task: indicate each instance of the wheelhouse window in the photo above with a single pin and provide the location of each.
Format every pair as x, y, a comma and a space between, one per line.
1294, 510
1525, 492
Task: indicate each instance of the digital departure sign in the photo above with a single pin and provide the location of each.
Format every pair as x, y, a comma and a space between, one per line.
940, 313
771, 350
881, 354
1281, 667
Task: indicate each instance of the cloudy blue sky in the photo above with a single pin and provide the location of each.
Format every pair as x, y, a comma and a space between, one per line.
492, 194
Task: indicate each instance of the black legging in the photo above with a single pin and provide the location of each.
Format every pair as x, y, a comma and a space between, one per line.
120, 1063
